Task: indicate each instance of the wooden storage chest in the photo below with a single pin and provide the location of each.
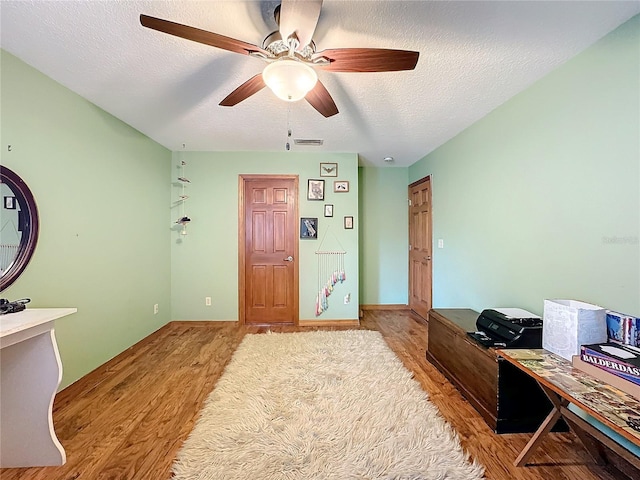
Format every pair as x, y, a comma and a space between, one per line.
507, 399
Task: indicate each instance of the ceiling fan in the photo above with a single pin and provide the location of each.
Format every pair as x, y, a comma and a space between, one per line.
292, 57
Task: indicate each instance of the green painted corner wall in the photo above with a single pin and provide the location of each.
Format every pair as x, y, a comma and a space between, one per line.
204, 263
384, 235
101, 188
541, 198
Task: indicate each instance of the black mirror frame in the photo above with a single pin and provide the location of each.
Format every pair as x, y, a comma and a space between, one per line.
27, 203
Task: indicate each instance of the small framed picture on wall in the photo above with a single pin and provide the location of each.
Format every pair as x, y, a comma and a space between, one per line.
328, 169
309, 228
328, 210
340, 186
10, 203
315, 189
348, 223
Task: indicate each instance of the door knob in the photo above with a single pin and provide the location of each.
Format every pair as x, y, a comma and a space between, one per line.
428, 258
288, 259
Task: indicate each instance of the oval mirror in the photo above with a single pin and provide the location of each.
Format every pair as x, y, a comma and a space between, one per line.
18, 226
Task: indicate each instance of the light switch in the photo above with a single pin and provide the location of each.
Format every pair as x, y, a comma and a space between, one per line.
440, 243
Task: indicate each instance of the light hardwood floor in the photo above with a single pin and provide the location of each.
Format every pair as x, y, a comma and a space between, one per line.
128, 418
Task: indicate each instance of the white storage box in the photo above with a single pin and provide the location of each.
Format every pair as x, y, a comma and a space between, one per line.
568, 324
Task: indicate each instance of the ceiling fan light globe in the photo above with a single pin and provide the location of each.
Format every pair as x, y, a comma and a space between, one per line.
290, 80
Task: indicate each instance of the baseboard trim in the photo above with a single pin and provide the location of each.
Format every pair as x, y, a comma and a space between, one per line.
385, 306
199, 323
382, 307
329, 323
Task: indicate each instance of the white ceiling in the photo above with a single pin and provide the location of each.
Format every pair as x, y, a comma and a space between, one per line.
474, 56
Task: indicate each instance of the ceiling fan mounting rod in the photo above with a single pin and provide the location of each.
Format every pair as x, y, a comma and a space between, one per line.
293, 43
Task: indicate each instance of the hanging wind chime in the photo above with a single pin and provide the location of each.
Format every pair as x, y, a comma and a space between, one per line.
331, 271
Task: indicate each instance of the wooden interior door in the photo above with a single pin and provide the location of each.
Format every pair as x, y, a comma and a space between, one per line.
268, 249
420, 241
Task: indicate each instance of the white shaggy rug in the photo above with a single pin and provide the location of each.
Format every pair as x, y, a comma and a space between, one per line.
320, 405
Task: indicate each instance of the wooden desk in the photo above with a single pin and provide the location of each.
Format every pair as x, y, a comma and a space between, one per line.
563, 385
31, 373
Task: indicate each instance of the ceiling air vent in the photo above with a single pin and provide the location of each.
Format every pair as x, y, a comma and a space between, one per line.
308, 142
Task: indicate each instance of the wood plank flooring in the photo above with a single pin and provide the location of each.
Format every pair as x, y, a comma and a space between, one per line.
128, 418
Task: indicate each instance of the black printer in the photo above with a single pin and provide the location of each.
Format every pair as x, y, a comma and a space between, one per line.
508, 328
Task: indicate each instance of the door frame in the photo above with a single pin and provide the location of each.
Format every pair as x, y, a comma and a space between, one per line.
242, 242
426, 179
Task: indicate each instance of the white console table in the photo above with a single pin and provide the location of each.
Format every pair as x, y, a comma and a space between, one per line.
30, 374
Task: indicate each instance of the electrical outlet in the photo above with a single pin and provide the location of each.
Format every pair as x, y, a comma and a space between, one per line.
155, 309
207, 301
347, 299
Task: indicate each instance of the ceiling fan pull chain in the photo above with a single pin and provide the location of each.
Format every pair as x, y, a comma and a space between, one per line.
288, 145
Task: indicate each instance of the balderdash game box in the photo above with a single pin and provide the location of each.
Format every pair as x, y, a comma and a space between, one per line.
620, 360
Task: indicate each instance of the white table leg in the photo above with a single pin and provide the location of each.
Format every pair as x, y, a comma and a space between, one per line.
31, 373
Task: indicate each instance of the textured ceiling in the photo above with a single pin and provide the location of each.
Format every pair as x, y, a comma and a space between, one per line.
474, 56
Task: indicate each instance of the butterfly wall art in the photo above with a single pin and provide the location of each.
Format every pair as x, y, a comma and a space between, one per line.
328, 169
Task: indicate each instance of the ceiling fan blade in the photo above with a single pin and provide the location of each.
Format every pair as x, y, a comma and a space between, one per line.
299, 17
368, 59
200, 36
244, 91
320, 99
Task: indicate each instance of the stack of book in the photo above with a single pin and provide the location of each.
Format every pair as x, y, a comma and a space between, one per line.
615, 364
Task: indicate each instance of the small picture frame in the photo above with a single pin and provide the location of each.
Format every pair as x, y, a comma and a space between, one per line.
348, 223
340, 186
315, 189
10, 203
328, 169
328, 210
309, 228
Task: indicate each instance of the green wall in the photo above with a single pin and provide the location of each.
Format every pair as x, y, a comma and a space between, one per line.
541, 198
204, 263
102, 190
384, 236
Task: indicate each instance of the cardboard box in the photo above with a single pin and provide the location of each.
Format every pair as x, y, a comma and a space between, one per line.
569, 324
620, 360
623, 328
606, 377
